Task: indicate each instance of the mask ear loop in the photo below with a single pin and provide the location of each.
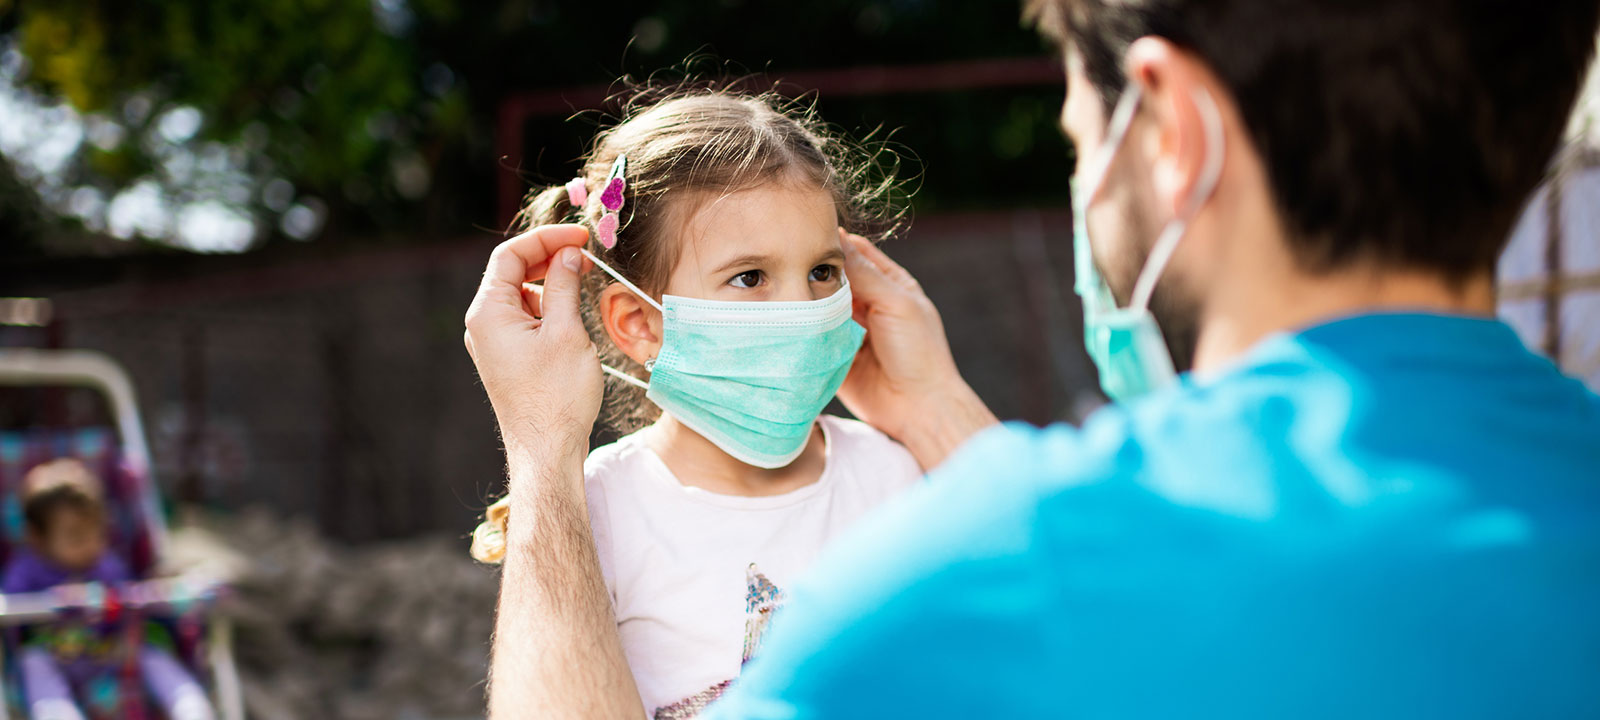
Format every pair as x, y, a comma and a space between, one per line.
1088, 283
620, 375
619, 278
613, 372
1210, 175
1116, 130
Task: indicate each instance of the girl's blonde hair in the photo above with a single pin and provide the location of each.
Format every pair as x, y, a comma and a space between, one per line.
685, 147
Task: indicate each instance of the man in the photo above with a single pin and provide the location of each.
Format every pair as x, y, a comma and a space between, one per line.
1368, 499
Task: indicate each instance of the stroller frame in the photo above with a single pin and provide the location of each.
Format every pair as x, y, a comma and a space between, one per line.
85, 368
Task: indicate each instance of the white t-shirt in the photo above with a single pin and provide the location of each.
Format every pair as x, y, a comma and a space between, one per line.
695, 575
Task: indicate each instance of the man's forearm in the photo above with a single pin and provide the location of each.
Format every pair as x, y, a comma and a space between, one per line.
556, 649
946, 423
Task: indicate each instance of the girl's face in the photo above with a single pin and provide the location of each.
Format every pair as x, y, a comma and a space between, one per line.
775, 242
75, 540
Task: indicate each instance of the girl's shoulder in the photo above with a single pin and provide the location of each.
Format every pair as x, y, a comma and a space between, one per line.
607, 469
627, 458
848, 432
858, 446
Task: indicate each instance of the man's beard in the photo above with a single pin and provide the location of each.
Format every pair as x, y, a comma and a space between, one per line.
1176, 310
1178, 316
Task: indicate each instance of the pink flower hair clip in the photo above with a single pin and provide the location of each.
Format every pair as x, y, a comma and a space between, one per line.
611, 199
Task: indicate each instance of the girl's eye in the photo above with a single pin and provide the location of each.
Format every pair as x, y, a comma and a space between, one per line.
824, 273
748, 279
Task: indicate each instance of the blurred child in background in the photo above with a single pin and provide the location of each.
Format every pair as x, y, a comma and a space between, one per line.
68, 543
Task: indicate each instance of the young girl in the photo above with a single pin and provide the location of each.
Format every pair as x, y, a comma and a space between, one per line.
724, 319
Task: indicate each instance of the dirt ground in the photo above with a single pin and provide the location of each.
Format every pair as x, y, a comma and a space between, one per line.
386, 631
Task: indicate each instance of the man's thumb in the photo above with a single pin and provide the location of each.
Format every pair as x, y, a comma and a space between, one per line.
561, 289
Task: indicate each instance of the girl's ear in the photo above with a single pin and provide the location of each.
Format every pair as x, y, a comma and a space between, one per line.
633, 325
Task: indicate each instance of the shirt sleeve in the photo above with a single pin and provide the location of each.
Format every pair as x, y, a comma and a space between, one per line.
19, 575
901, 465
881, 458
870, 633
600, 528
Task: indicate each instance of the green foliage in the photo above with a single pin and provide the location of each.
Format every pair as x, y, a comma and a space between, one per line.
321, 93
383, 111
21, 214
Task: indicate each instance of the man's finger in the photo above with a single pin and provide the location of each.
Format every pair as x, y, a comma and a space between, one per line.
533, 299
559, 299
526, 257
871, 272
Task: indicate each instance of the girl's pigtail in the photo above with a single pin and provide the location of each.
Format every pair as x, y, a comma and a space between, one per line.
489, 540
547, 207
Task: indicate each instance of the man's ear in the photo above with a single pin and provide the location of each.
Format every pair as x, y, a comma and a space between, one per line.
1173, 79
631, 323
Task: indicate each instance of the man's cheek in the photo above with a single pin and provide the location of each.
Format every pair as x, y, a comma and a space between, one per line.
1109, 233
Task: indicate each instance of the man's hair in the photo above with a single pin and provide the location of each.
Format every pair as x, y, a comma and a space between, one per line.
1404, 132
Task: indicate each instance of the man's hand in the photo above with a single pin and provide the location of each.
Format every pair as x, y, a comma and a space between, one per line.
904, 381
534, 356
556, 649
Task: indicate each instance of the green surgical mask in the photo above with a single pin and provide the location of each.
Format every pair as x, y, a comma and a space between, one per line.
751, 377
1126, 344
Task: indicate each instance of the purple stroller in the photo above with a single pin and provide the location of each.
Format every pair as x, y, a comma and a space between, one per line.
118, 625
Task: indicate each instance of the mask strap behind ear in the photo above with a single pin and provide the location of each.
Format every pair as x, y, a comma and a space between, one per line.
1116, 130
1210, 175
613, 372
619, 278
620, 375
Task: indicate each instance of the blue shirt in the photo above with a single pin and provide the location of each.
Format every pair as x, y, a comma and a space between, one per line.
1384, 516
